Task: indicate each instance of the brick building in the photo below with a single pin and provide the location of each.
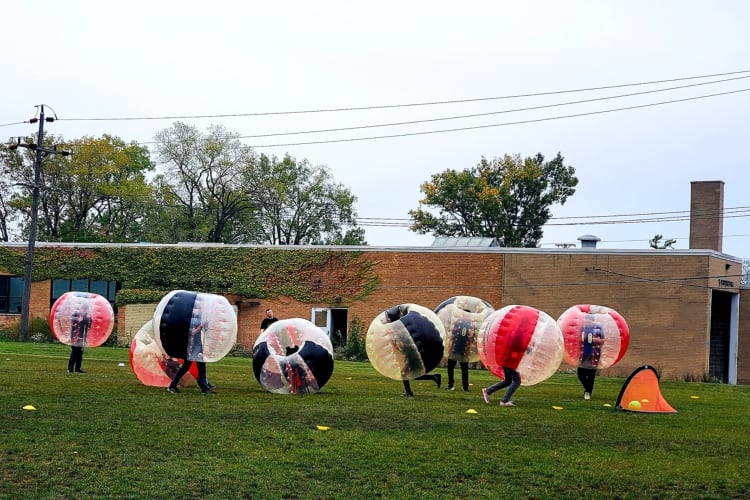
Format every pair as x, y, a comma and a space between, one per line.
682, 306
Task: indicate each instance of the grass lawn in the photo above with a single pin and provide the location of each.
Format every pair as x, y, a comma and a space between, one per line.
104, 434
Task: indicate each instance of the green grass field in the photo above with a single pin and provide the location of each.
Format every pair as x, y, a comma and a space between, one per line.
104, 434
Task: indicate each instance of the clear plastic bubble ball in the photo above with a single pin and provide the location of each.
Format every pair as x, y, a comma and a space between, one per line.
293, 356
522, 338
151, 365
462, 316
405, 341
195, 326
82, 319
595, 336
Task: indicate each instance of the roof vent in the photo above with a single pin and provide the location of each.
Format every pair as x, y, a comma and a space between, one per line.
589, 240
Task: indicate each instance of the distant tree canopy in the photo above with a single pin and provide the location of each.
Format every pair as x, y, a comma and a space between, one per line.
506, 198
656, 242
206, 187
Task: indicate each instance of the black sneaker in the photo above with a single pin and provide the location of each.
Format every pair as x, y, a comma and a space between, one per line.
173, 390
438, 379
80, 371
409, 394
450, 388
208, 390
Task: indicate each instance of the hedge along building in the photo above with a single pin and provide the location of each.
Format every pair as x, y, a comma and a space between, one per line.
682, 306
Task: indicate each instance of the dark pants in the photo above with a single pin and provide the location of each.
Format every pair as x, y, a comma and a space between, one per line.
76, 358
407, 385
464, 373
512, 382
184, 368
587, 377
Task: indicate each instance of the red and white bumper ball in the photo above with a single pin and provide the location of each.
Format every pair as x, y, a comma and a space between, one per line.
595, 336
195, 326
462, 316
82, 319
522, 338
151, 365
293, 356
405, 342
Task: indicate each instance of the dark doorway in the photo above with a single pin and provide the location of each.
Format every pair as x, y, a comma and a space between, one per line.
718, 355
339, 326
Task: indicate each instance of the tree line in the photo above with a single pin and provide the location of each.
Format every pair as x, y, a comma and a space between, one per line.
209, 188
206, 186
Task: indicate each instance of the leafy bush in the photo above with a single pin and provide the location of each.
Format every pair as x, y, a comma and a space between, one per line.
355, 348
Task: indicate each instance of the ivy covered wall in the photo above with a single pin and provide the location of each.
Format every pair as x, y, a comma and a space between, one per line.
147, 273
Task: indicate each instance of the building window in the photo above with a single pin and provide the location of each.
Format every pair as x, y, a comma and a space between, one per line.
11, 294
106, 289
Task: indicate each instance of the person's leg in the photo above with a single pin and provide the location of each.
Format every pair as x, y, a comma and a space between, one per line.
465, 375
515, 382
451, 374
407, 389
586, 376
72, 359
77, 355
494, 388
435, 377
184, 367
203, 379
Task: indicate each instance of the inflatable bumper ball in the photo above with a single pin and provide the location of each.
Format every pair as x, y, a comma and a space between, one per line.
151, 365
405, 342
195, 326
293, 356
462, 317
82, 319
595, 336
522, 338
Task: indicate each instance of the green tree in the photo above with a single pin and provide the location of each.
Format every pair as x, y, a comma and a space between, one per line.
201, 194
299, 204
656, 242
95, 194
506, 198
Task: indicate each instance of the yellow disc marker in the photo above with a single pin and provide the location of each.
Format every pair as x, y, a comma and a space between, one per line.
29, 408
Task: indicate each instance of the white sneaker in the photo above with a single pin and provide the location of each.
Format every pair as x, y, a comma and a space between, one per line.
506, 403
586, 395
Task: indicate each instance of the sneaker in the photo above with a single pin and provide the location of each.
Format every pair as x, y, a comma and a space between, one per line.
486, 395
466, 389
586, 395
409, 394
173, 390
80, 371
450, 388
438, 379
506, 403
208, 390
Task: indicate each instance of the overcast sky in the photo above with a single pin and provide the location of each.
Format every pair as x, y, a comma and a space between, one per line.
138, 59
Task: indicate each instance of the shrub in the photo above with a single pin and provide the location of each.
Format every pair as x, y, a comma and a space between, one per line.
355, 349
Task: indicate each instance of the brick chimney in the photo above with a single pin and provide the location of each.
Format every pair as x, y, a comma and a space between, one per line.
706, 215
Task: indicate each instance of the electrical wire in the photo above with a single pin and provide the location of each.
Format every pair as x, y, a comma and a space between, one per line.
404, 105
494, 125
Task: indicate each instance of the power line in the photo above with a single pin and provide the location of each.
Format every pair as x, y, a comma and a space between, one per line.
405, 105
494, 125
488, 113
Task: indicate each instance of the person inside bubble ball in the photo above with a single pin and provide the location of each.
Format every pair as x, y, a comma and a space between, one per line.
80, 323
195, 353
592, 338
512, 380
